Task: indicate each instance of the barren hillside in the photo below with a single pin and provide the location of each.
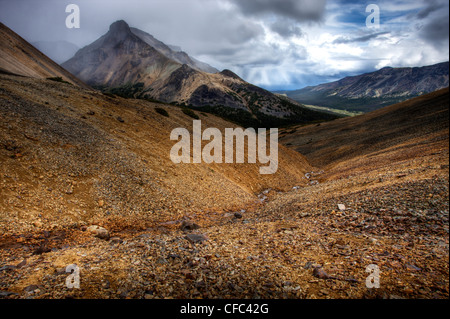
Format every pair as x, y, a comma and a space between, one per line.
420, 121
19, 57
64, 149
73, 158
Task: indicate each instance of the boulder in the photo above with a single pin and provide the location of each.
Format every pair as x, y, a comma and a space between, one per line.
99, 232
187, 225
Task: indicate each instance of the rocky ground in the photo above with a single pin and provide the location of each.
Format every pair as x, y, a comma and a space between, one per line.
299, 244
313, 239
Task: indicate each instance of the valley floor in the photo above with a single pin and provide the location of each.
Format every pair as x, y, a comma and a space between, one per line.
397, 220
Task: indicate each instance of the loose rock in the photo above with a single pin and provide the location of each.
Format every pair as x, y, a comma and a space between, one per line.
194, 238
187, 225
99, 232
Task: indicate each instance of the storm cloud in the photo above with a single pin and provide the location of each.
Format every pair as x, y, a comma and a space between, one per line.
434, 23
431, 6
364, 38
299, 10
286, 28
277, 44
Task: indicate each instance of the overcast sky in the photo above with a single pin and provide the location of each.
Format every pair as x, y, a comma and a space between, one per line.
276, 44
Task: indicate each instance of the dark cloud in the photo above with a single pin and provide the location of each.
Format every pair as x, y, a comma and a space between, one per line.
243, 32
436, 31
432, 6
252, 55
298, 10
298, 52
232, 33
286, 28
364, 38
434, 22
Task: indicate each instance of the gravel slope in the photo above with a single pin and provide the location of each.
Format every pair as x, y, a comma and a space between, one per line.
203, 231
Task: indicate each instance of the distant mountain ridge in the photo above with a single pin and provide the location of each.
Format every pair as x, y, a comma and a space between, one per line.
374, 90
173, 52
133, 62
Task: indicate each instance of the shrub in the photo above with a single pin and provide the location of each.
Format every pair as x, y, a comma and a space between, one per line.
161, 111
109, 95
190, 113
58, 79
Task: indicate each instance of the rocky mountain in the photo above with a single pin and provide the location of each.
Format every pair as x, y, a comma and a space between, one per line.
120, 57
58, 51
132, 63
173, 52
19, 57
370, 91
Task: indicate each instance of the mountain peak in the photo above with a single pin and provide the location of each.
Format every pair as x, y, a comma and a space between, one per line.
119, 31
119, 26
230, 74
